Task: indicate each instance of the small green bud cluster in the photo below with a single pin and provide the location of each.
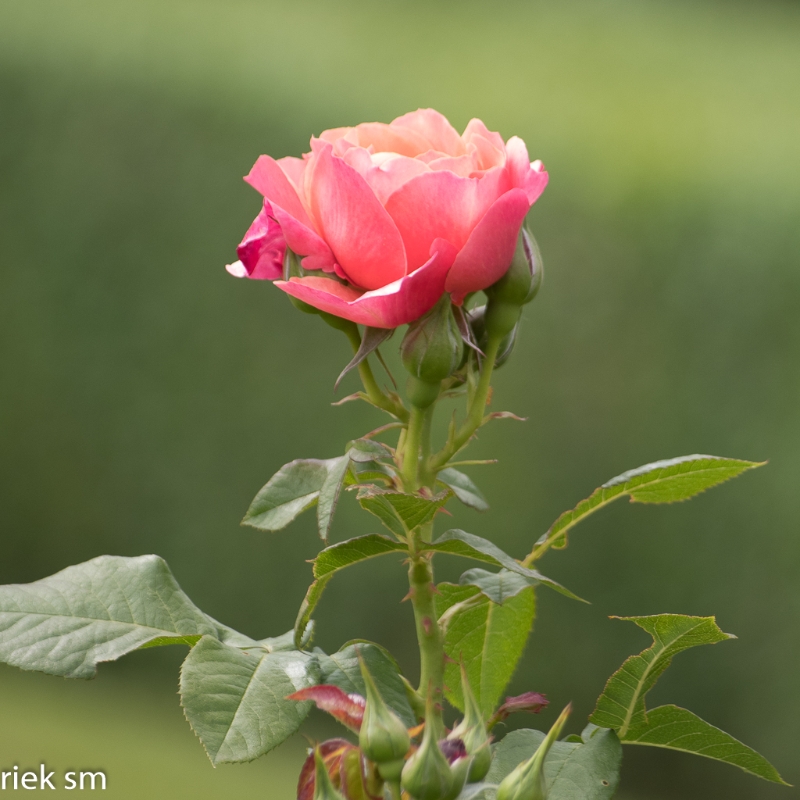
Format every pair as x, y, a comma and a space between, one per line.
383, 737
432, 350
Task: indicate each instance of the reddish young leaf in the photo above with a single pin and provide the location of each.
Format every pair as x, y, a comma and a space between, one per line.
532, 702
333, 752
347, 708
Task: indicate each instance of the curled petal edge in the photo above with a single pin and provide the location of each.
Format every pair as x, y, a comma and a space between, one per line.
397, 303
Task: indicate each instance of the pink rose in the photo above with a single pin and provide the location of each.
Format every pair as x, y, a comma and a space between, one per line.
400, 213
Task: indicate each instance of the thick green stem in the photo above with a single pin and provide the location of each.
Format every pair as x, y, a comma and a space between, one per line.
476, 410
376, 395
395, 791
429, 636
411, 449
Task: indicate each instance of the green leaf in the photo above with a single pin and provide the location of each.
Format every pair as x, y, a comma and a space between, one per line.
236, 702
360, 548
336, 557
293, 489
400, 512
329, 493
365, 450
668, 481
572, 771
678, 729
622, 704
463, 488
307, 607
97, 611
460, 543
497, 586
341, 669
489, 638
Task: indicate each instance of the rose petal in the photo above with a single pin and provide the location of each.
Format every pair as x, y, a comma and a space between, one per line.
303, 240
524, 175
442, 205
435, 128
487, 254
364, 239
347, 708
262, 249
267, 177
490, 145
399, 303
388, 139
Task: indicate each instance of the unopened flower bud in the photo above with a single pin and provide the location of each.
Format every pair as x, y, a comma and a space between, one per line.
472, 732
432, 347
323, 786
516, 288
477, 320
523, 278
383, 736
427, 774
527, 782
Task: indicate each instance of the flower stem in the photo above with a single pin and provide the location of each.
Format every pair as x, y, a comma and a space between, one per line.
475, 414
429, 635
411, 448
395, 791
374, 392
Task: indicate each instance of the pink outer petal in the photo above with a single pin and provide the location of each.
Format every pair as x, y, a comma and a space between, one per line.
303, 240
398, 303
364, 239
488, 252
435, 128
267, 177
262, 249
442, 205
524, 175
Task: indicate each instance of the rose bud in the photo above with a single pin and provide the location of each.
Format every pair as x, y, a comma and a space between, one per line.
323, 786
472, 732
517, 287
383, 736
427, 775
526, 782
477, 320
431, 351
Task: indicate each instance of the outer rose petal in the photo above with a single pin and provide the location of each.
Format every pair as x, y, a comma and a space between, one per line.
267, 177
303, 240
364, 239
435, 128
487, 254
524, 175
262, 249
399, 303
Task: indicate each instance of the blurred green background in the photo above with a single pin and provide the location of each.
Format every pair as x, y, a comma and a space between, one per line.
145, 395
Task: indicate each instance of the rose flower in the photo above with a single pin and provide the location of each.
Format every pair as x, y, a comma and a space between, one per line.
386, 218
